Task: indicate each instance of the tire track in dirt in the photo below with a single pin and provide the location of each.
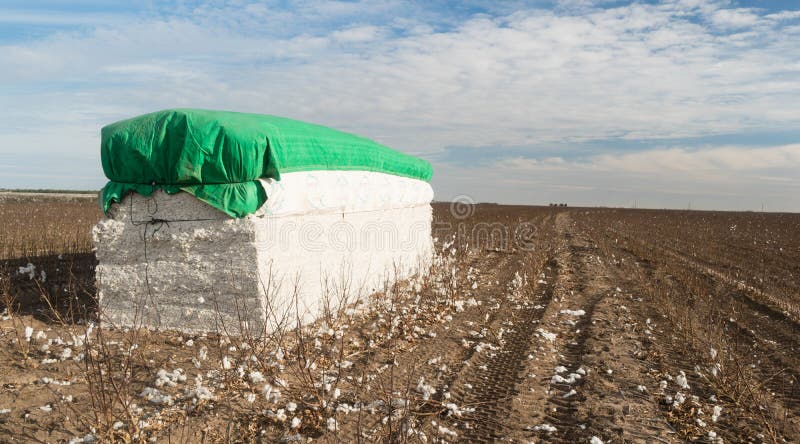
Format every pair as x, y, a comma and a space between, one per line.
451, 350
584, 401
488, 382
565, 397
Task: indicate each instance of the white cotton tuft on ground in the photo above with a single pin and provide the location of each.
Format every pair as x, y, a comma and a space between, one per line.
717, 412
545, 428
682, 381
547, 335
573, 312
318, 232
29, 269
332, 424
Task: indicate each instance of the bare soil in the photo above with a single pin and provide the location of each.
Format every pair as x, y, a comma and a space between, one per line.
570, 325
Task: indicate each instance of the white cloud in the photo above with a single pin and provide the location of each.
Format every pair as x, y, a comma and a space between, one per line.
701, 162
715, 165
640, 70
356, 34
784, 15
734, 18
728, 177
21, 17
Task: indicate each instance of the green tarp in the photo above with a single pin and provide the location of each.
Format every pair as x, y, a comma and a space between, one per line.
218, 156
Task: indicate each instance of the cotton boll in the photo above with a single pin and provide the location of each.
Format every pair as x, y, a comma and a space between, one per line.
716, 414
545, 428
332, 424
445, 431
66, 353
425, 389
682, 381
256, 377
271, 393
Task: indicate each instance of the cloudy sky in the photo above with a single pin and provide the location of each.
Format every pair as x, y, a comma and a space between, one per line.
592, 102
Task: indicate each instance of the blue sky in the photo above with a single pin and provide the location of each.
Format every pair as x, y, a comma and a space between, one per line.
662, 103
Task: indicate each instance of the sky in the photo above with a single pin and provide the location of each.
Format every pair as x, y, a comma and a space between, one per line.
659, 104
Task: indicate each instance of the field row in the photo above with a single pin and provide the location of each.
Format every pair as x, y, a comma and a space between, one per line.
534, 324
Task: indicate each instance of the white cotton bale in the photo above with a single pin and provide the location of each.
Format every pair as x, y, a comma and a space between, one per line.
174, 262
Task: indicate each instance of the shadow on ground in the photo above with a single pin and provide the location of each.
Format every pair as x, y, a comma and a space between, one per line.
52, 288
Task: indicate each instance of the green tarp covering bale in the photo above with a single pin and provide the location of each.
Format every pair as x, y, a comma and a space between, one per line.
222, 220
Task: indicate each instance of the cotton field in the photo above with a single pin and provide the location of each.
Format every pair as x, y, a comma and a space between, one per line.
605, 326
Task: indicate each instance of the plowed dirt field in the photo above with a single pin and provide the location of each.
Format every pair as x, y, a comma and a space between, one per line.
535, 324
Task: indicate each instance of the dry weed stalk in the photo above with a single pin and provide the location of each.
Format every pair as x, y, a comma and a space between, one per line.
688, 301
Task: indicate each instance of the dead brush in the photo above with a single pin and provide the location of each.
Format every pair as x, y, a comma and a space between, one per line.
10, 305
732, 371
725, 372
402, 409
65, 306
687, 300
400, 405
300, 363
246, 356
446, 267
24, 340
306, 363
321, 353
395, 312
36, 226
117, 364
313, 363
110, 375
